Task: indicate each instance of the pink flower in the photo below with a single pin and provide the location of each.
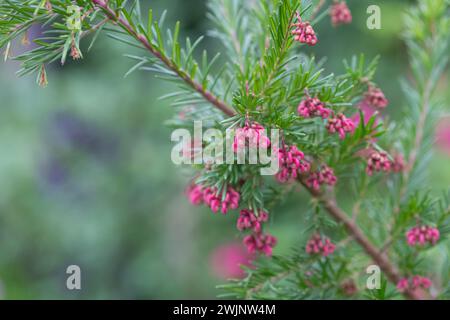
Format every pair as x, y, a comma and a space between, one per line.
378, 161
313, 107
367, 111
215, 202
340, 14
319, 245
195, 194
226, 261
259, 242
421, 235
323, 176
292, 162
398, 165
403, 284
375, 98
254, 134
341, 125
248, 220
443, 135
425, 283
304, 32
414, 283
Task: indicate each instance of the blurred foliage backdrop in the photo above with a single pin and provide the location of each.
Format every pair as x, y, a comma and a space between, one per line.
86, 176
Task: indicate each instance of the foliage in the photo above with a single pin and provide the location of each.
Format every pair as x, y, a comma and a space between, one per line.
264, 78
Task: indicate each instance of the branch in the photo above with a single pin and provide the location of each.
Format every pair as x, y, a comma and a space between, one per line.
271, 280
381, 260
209, 96
419, 135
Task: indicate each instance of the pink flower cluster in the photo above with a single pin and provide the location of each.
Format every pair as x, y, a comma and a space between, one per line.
260, 242
257, 241
378, 161
421, 235
304, 32
226, 260
340, 124
198, 195
398, 165
214, 200
292, 162
367, 111
254, 134
319, 245
323, 176
313, 107
376, 98
443, 135
340, 13
414, 283
248, 220
373, 99
195, 194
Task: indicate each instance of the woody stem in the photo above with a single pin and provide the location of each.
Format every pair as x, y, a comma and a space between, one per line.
380, 259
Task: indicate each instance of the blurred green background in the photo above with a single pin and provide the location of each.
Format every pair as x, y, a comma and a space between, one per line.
86, 176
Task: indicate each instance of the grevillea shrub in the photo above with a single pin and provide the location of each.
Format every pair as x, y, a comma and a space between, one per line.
370, 206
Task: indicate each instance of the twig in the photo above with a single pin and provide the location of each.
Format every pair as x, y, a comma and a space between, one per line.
234, 38
413, 156
273, 279
277, 64
419, 136
219, 104
357, 206
381, 260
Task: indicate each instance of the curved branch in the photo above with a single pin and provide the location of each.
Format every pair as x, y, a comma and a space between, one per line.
381, 260
209, 96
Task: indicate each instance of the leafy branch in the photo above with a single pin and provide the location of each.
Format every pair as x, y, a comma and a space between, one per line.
145, 39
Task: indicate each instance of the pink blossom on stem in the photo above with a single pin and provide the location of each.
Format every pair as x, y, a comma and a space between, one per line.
425, 282
226, 260
215, 202
341, 125
378, 161
414, 283
195, 194
292, 162
340, 13
259, 242
443, 135
75, 53
398, 165
376, 98
323, 176
304, 32
248, 220
313, 107
403, 284
319, 245
253, 133
421, 235
367, 110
